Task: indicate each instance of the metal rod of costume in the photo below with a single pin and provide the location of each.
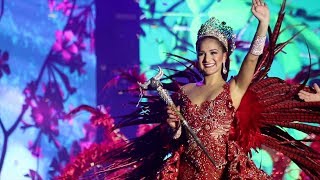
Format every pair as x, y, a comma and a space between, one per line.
155, 83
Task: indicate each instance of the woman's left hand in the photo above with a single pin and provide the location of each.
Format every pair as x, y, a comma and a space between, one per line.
310, 97
261, 11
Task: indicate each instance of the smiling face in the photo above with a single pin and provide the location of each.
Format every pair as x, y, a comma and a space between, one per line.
211, 55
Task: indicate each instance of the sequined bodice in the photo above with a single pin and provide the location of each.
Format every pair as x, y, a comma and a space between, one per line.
211, 121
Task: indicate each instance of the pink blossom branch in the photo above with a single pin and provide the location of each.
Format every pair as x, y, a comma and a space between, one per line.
6, 134
26, 105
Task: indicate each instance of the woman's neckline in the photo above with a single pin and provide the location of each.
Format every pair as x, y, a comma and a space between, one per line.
206, 101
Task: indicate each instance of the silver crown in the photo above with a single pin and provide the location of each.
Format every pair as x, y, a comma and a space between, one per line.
213, 27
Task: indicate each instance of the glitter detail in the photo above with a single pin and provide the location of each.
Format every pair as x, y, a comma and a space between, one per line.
213, 131
258, 45
224, 70
214, 28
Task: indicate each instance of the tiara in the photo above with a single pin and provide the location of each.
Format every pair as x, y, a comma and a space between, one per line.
213, 27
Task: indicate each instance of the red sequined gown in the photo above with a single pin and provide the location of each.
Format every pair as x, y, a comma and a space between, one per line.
212, 123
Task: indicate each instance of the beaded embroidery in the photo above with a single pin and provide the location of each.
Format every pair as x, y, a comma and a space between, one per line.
211, 121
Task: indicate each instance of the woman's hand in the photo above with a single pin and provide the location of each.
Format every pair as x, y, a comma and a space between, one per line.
261, 11
310, 97
173, 119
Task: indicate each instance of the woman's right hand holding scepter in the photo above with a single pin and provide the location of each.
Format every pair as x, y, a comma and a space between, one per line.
173, 121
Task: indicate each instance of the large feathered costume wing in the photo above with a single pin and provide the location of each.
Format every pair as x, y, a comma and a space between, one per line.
270, 105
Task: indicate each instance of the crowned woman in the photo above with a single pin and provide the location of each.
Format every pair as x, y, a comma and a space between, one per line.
228, 118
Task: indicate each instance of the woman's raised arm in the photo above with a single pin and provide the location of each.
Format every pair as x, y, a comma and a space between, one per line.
261, 11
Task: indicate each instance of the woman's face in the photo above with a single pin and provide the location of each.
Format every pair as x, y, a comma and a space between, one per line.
210, 56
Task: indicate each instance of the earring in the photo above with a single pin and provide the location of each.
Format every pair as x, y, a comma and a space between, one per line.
224, 70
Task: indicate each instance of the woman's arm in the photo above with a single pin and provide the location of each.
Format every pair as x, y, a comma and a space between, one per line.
243, 80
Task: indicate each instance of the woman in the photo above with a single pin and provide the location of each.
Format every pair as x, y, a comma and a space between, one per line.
209, 106
214, 109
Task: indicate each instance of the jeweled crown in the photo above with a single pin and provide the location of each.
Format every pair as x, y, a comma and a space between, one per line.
213, 27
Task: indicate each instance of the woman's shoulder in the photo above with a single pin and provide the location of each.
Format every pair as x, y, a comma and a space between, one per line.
182, 91
187, 87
